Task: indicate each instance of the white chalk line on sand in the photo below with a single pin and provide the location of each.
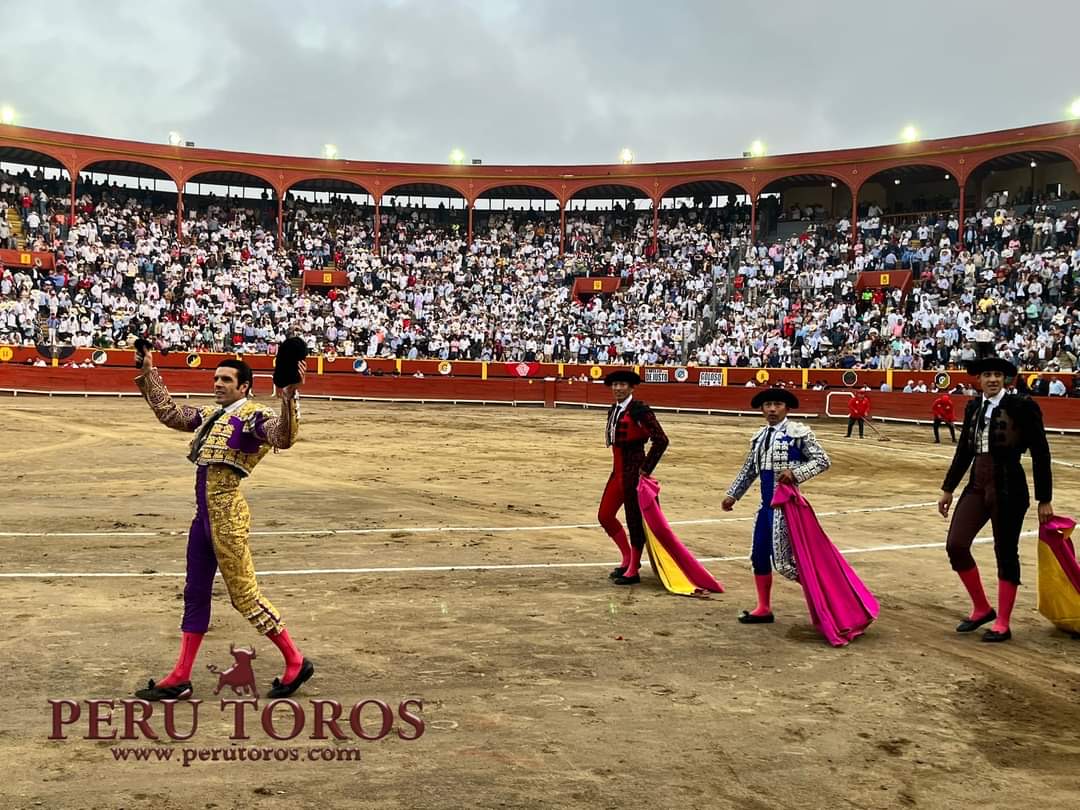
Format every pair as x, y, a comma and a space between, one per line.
447, 568
440, 529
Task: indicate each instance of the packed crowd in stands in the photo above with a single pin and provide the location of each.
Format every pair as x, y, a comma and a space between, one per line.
703, 294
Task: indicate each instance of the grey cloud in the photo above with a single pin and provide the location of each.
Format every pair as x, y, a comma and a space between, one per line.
541, 82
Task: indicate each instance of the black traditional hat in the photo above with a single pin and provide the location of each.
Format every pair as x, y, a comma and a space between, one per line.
623, 375
774, 395
977, 367
290, 353
142, 346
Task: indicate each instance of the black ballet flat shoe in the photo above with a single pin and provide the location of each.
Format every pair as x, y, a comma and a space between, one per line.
621, 580
181, 691
993, 636
746, 617
618, 572
283, 690
971, 625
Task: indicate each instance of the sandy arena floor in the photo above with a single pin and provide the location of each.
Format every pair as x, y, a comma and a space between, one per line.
542, 685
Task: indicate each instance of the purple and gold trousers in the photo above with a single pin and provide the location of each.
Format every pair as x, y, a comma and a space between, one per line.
218, 538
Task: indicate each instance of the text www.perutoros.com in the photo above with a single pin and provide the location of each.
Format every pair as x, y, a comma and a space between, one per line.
188, 756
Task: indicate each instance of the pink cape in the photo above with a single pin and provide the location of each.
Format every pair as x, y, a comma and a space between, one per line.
678, 569
841, 607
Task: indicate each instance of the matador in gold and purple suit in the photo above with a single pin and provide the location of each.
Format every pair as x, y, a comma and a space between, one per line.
229, 441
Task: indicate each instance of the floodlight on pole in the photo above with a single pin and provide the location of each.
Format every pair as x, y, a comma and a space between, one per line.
175, 139
457, 157
1074, 109
757, 149
7, 114
909, 134
329, 151
625, 155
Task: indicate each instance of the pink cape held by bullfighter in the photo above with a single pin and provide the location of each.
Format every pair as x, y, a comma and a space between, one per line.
676, 567
841, 607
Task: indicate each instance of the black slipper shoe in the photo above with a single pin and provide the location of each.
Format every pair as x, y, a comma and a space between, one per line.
618, 572
746, 617
283, 690
181, 691
971, 625
621, 580
993, 636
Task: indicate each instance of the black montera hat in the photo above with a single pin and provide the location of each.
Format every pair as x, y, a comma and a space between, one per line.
623, 375
977, 367
290, 353
774, 395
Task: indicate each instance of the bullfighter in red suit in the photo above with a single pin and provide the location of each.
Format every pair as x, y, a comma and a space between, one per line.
943, 415
858, 411
630, 424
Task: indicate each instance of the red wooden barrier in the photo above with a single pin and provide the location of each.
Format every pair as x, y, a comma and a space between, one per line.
1059, 413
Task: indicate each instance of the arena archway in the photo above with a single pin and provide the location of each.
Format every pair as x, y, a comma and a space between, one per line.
923, 195
229, 191
1018, 180
719, 205
615, 207
149, 182
522, 205
348, 206
440, 205
37, 171
794, 203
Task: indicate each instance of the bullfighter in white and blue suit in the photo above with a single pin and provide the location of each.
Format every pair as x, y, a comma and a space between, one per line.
782, 451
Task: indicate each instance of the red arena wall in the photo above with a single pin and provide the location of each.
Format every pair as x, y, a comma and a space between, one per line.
1060, 414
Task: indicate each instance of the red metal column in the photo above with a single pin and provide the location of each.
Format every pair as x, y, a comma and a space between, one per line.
854, 216
470, 207
753, 219
562, 229
377, 218
656, 226
960, 235
280, 221
179, 214
73, 182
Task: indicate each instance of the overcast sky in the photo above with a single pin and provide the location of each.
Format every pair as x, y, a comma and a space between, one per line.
538, 82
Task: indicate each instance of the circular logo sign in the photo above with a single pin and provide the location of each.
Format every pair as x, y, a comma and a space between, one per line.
681, 375
6, 354
762, 376
596, 372
359, 366
99, 358
193, 360
849, 378
445, 367
942, 379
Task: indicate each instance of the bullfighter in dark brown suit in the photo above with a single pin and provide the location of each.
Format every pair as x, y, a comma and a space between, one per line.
998, 429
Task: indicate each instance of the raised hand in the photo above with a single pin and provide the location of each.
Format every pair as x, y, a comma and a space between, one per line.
289, 391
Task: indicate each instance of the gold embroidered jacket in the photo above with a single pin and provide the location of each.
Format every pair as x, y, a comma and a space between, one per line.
238, 439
